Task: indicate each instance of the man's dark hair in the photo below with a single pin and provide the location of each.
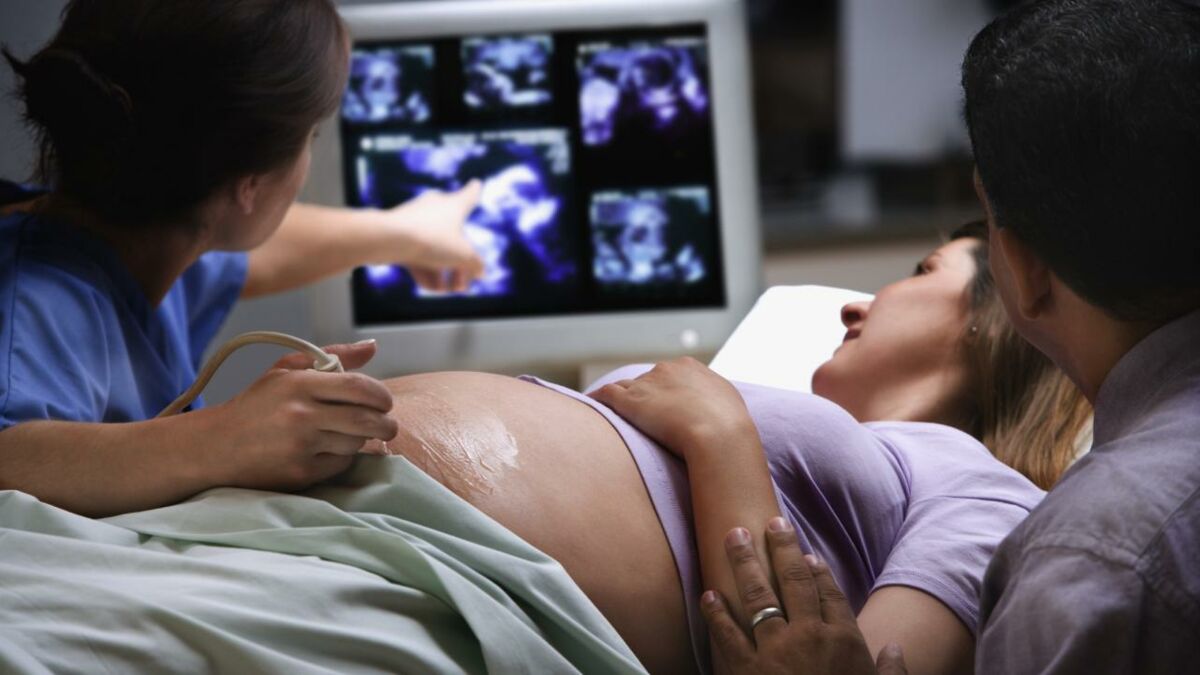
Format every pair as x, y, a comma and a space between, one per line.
144, 108
1085, 119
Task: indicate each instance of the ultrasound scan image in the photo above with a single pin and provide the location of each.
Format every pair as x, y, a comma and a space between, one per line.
393, 84
651, 237
507, 72
518, 228
635, 90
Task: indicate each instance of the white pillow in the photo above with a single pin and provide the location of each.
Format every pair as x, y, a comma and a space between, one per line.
788, 334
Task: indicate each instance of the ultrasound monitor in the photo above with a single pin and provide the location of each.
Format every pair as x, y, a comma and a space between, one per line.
612, 138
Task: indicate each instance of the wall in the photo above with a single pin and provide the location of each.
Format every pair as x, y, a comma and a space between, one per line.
900, 66
24, 26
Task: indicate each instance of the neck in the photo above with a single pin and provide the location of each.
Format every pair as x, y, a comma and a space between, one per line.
155, 257
928, 399
1094, 343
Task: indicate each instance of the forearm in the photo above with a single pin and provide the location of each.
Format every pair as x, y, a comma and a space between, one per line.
315, 242
99, 470
731, 487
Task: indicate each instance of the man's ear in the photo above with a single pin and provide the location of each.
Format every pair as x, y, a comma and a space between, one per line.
1031, 278
246, 191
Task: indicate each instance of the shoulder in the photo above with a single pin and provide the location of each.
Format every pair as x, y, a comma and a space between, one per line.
945, 462
953, 477
216, 273
934, 443
57, 312
39, 285
1123, 497
216, 276
1136, 517
207, 292
55, 322
213, 266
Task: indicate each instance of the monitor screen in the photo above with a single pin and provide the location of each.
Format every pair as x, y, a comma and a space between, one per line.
596, 154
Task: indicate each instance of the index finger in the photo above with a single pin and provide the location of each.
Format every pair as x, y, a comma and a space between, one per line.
470, 194
793, 572
352, 388
355, 355
611, 393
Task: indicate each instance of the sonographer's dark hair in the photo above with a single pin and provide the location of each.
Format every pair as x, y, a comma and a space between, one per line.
144, 108
1085, 119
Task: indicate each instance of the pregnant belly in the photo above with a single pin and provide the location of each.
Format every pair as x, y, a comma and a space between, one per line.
557, 474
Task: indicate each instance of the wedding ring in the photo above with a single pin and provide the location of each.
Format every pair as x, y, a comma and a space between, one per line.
764, 614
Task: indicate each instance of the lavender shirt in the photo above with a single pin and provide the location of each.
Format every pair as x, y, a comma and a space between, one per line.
919, 505
1104, 576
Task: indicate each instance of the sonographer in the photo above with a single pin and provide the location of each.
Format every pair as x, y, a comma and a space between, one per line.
174, 139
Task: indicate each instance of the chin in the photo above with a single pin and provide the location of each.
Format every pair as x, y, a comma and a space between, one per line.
821, 379
834, 383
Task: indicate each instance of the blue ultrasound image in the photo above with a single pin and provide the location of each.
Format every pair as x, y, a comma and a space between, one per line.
638, 90
652, 238
507, 72
520, 227
595, 153
389, 84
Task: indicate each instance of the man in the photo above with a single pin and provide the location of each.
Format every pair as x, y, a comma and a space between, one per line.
1085, 120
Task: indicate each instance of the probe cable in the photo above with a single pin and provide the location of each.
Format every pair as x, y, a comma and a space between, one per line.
322, 362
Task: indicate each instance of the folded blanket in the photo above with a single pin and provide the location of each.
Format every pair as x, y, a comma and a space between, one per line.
382, 571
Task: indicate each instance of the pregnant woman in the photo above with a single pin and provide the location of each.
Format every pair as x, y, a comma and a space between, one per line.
879, 473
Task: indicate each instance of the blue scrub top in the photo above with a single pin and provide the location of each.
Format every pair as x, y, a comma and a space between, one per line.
79, 341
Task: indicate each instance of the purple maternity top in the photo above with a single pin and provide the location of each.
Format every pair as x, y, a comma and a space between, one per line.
884, 503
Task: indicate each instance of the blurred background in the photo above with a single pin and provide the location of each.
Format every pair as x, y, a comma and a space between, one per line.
862, 150
859, 129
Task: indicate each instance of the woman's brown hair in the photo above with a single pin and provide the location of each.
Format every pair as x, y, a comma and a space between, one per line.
145, 108
1024, 409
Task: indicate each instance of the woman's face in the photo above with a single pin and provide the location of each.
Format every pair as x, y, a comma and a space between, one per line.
902, 356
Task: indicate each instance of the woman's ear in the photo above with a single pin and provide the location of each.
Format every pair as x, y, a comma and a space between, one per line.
246, 193
1030, 277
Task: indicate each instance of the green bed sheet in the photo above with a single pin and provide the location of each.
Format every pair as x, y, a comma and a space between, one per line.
383, 570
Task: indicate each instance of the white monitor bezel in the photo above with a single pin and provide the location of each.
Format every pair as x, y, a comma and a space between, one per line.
507, 343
